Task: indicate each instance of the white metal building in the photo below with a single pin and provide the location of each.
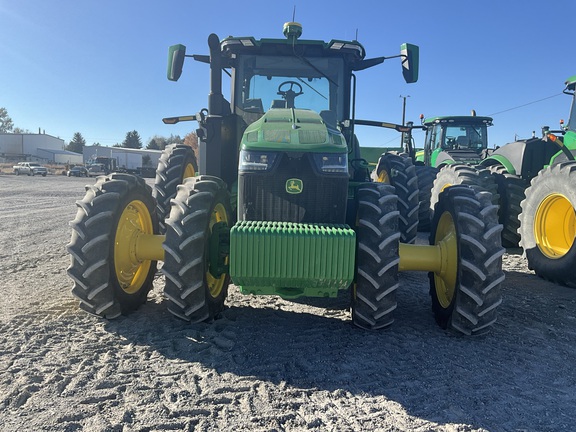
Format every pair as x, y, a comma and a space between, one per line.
128, 158
29, 146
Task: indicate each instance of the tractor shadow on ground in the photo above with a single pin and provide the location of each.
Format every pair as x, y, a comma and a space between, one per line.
472, 380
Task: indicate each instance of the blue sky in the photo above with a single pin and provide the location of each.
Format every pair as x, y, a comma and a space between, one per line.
99, 67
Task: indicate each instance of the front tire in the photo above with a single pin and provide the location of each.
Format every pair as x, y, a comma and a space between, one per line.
465, 297
176, 163
108, 279
196, 249
547, 224
374, 293
477, 178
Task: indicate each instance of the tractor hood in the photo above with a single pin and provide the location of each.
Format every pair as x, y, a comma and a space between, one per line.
295, 130
457, 156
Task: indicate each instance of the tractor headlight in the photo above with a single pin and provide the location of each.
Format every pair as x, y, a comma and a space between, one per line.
331, 162
256, 160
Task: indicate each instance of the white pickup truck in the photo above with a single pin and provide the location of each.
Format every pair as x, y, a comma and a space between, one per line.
30, 168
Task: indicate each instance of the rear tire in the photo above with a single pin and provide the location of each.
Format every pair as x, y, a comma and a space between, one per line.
426, 176
176, 163
399, 171
117, 207
511, 191
194, 292
374, 293
547, 224
466, 300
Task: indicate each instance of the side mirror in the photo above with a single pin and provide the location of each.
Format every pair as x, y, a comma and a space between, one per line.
409, 55
176, 54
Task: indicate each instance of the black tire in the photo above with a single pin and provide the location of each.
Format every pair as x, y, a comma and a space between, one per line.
194, 293
426, 176
511, 192
95, 230
547, 224
374, 292
400, 172
478, 178
466, 297
176, 163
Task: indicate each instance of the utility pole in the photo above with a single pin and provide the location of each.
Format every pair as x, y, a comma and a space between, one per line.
403, 116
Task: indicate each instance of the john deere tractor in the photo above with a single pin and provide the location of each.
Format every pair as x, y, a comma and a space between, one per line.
453, 147
547, 217
280, 202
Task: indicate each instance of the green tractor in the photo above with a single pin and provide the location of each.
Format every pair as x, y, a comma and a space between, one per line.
454, 146
280, 202
547, 218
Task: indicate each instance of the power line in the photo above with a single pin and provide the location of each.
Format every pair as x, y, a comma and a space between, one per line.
526, 104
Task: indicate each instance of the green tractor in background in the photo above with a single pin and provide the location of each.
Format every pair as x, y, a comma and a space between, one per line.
281, 202
531, 180
454, 145
547, 217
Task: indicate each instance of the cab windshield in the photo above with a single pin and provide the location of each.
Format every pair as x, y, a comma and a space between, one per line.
267, 82
461, 137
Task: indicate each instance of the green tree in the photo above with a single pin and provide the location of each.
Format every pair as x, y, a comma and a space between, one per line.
157, 142
152, 145
175, 139
18, 130
132, 140
77, 144
6, 123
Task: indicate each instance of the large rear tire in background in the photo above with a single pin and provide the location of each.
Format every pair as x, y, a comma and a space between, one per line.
399, 171
466, 296
511, 192
176, 163
374, 292
547, 224
426, 176
478, 178
109, 279
197, 248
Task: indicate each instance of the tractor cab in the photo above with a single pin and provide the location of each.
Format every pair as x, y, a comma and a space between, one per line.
288, 98
454, 139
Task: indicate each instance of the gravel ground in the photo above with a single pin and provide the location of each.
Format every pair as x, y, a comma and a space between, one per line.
267, 364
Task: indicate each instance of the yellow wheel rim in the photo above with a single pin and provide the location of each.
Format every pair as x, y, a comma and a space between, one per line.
131, 271
445, 280
383, 177
554, 226
189, 171
215, 285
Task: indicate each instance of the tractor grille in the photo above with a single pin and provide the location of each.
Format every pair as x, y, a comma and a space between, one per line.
264, 196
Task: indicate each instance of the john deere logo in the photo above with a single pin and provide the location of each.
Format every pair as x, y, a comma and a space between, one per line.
294, 186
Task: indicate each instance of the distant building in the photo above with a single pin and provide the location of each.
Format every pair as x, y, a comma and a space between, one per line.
35, 147
128, 159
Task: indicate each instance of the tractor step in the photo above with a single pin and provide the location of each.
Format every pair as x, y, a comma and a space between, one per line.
292, 259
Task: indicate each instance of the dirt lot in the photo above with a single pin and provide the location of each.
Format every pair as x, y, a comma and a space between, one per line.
267, 364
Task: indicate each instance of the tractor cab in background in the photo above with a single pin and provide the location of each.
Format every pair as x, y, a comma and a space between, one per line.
454, 139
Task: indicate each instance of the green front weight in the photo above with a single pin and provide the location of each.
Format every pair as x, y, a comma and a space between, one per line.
292, 259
